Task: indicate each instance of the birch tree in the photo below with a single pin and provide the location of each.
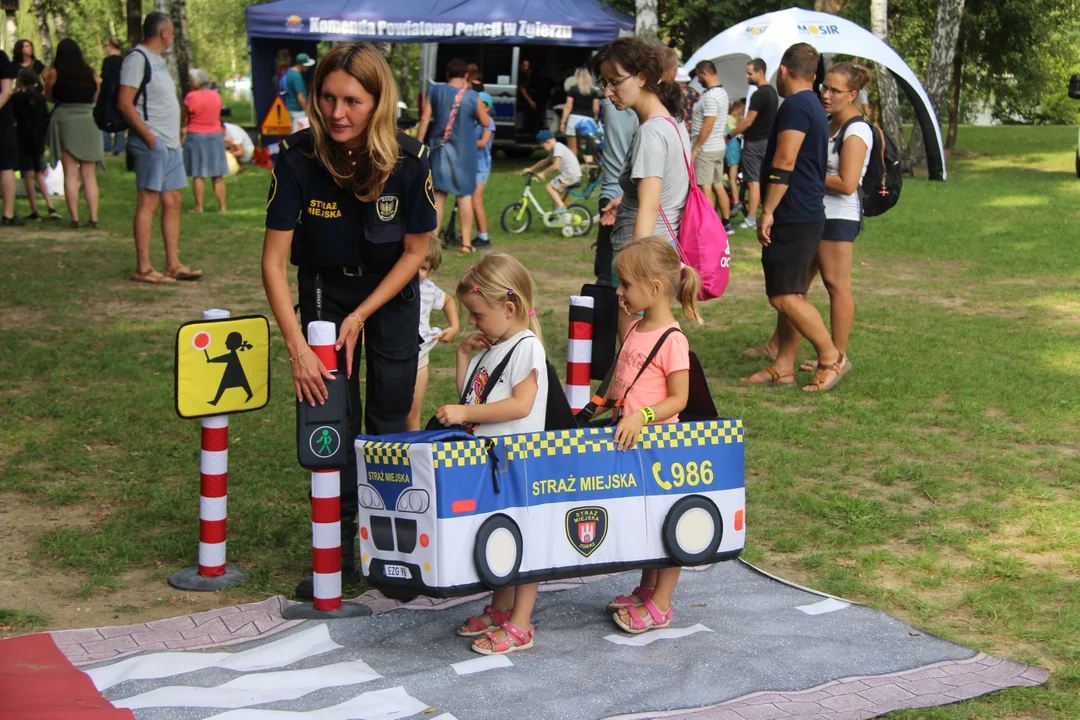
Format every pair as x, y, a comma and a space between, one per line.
648, 21
887, 91
939, 67
41, 15
133, 10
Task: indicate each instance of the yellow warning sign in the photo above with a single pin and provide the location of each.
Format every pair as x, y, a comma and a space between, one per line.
277, 121
222, 366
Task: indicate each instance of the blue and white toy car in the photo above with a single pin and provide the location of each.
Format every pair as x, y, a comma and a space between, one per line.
445, 513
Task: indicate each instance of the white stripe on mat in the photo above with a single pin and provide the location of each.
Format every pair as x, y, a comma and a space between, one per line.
279, 653
375, 705
254, 689
827, 605
654, 635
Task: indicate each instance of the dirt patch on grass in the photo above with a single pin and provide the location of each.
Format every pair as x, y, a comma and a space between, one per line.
29, 584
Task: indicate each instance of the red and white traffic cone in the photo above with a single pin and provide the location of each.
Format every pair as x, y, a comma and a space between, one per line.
579, 352
325, 512
212, 572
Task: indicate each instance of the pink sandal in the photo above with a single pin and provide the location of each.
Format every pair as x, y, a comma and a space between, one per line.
477, 626
515, 640
655, 620
645, 593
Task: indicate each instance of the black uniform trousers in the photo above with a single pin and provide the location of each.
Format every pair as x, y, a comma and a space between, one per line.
392, 344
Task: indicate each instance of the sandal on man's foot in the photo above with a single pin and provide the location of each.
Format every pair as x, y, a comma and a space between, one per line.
151, 276
183, 272
477, 627
759, 352
774, 379
653, 620
516, 639
623, 601
821, 382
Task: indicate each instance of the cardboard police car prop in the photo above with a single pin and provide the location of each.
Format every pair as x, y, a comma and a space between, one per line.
445, 513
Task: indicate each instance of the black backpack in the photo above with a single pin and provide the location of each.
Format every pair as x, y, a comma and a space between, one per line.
884, 177
106, 113
1074, 87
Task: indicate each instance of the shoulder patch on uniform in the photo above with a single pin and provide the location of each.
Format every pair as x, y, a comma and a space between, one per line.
429, 191
411, 146
302, 139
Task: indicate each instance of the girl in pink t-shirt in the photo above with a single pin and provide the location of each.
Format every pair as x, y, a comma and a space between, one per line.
650, 275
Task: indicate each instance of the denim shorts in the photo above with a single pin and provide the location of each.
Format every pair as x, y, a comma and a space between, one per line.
482, 176
160, 169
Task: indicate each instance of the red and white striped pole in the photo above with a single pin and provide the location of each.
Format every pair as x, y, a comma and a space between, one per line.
579, 352
325, 494
212, 573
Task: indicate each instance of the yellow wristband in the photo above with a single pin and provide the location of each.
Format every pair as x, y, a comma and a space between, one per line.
649, 413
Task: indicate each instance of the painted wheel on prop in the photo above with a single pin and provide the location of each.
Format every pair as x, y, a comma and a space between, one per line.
580, 219
692, 530
497, 553
516, 218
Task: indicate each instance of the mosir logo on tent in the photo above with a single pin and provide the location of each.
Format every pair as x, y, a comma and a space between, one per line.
753, 30
819, 30
586, 528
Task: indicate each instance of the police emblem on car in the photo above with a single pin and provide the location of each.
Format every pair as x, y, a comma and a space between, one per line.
586, 528
386, 207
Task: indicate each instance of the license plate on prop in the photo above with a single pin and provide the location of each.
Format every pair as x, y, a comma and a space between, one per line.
397, 571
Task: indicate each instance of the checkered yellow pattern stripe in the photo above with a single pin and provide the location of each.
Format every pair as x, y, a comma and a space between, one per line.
386, 453
559, 442
683, 435
458, 454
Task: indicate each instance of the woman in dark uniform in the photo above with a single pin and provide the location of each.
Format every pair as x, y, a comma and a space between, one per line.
352, 205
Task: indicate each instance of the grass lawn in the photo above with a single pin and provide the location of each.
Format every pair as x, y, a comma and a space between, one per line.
940, 482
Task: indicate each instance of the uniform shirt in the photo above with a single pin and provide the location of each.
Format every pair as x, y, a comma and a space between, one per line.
332, 227
713, 103
765, 101
804, 200
162, 105
528, 357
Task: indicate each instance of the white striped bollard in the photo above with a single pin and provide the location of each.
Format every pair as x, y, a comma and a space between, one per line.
579, 352
212, 573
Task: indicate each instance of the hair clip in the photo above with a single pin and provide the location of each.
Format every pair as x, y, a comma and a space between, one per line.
510, 292
476, 288
532, 313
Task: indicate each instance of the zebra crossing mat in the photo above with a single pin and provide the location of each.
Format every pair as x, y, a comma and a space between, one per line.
742, 645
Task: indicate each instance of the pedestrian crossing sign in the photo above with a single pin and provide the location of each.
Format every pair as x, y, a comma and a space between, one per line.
222, 366
277, 120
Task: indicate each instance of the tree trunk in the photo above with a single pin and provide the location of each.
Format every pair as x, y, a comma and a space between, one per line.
181, 45
170, 54
829, 6
954, 97
887, 90
939, 66
59, 23
134, 22
11, 31
41, 14
648, 23
403, 82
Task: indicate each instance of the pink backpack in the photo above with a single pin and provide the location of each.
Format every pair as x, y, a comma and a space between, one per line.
702, 240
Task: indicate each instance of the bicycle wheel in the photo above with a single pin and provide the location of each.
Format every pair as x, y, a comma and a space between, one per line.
516, 218
580, 219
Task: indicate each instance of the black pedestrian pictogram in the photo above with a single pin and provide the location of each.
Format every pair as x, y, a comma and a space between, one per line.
234, 376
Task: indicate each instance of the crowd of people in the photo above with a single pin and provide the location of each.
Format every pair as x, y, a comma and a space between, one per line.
166, 141
355, 204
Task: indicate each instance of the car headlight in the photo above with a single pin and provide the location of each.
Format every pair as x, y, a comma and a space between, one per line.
370, 498
413, 501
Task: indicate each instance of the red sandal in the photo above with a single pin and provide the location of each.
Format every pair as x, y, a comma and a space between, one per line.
516, 639
623, 601
653, 620
478, 627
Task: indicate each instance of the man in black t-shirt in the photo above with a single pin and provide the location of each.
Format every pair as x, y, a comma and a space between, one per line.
110, 67
755, 129
792, 220
9, 147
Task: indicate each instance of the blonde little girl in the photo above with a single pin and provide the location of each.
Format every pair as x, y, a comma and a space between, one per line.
498, 293
651, 275
431, 298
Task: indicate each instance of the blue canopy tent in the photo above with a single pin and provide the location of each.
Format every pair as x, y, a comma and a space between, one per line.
297, 26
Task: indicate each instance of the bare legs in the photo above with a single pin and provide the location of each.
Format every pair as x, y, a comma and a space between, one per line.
412, 422
733, 180
465, 217
834, 261
754, 200
198, 189
30, 179
478, 208
663, 583
71, 184
7, 189
521, 600
219, 193
146, 206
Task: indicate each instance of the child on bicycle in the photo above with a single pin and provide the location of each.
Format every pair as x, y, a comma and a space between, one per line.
431, 298
650, 275
498, 293
563, 161
733, 152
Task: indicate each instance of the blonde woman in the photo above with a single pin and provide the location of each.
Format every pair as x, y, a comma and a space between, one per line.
203, 137
582, 103
351, 204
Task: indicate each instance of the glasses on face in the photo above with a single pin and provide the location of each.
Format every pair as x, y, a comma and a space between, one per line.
825, 89
612, 85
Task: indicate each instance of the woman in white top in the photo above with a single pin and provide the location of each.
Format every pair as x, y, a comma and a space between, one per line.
848, 158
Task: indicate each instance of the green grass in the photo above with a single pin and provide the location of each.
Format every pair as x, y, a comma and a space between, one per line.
939, 482
13, 622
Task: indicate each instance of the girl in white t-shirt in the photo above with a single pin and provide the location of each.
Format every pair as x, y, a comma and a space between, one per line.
847, 161
498, 293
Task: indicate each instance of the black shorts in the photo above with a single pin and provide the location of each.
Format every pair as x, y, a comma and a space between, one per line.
841, 230
787, 259
9, 149
28, 162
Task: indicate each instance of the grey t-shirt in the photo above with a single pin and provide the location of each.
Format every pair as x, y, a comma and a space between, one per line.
619, 129
657, 151
162, 105
569, 167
